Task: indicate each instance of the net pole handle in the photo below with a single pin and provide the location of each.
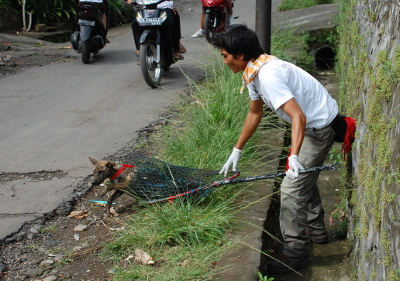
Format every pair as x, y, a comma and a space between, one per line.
331, 167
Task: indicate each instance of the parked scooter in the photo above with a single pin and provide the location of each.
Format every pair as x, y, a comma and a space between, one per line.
89, 35
215, 17
156, 53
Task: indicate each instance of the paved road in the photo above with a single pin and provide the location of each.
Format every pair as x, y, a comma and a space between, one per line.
54, 117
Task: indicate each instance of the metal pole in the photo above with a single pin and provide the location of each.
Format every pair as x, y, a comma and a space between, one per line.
263, 23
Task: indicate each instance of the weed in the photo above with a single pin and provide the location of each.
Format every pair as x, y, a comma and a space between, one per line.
264, 278
67, 60
335, 155
50, 228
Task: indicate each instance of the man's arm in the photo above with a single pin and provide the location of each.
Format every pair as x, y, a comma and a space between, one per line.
252, 120
250, 125
293, 110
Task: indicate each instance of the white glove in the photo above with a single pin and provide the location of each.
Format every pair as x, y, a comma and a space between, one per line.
294, 167
233, 159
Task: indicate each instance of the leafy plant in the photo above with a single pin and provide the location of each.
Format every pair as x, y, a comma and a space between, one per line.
5, 4
45, 11
115, 4
335, 155
264, 278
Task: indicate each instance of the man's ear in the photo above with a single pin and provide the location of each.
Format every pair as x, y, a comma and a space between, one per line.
238, 57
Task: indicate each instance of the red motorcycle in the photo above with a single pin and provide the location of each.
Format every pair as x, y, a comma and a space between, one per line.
215, 17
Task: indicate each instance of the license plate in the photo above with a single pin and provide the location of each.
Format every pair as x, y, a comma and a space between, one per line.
150, 21
86, 22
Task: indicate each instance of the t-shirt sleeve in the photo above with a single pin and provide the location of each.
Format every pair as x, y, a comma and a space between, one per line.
274, 84
253, 93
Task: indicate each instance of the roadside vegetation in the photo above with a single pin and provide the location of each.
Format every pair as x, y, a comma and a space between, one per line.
32, 12
187, 237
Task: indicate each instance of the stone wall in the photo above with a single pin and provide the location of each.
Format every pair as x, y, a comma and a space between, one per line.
369, 69
9, 20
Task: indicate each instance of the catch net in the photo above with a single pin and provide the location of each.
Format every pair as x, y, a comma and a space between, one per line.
155, 180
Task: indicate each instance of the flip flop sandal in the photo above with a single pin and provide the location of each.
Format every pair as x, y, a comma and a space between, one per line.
178, 58
182, 50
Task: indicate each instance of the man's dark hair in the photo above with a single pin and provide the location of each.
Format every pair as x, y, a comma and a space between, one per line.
238, 39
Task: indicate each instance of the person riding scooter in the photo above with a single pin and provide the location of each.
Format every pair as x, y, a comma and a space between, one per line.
102, 5
173, 25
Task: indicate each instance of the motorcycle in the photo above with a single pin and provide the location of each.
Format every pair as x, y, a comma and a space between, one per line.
215, 17
89, 35
156, 53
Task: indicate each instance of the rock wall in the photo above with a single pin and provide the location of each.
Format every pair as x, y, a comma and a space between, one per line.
368, 64
9, 20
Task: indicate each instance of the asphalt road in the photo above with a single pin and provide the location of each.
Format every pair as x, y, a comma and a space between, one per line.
54, 117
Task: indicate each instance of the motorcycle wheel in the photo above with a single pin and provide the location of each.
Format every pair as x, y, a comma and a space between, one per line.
150, 70
85, 51
209, 26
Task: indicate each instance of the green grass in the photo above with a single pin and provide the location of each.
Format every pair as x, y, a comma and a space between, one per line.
187, 237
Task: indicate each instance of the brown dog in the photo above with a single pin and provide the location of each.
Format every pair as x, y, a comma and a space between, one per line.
120, 176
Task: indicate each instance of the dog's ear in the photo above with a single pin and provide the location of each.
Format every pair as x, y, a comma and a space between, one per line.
94, 161
110, 164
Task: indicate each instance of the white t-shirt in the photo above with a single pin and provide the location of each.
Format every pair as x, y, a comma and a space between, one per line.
279, 81
166, 5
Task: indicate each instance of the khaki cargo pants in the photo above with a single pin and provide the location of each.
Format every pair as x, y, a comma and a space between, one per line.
301, 206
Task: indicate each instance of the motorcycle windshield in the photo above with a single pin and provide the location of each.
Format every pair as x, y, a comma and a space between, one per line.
148, 2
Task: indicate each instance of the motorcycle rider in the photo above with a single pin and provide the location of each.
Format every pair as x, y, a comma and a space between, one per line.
174, 27
231, 20
103, 7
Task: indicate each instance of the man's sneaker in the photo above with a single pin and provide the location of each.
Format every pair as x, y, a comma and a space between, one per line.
319, 238
231, 20
287, 264
199, 33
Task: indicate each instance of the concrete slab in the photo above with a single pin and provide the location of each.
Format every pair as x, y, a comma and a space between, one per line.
313, 18
24, 200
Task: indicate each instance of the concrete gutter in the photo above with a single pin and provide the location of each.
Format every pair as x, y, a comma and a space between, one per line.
308, 19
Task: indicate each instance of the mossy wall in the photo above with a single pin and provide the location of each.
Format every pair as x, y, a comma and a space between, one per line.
368, 64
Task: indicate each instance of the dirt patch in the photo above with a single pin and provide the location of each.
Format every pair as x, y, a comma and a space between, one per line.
19, 52
58, 249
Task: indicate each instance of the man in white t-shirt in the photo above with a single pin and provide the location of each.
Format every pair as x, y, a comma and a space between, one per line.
302, 101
